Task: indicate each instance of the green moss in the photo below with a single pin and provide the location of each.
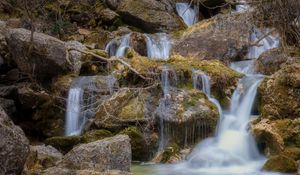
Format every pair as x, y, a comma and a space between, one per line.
281, 164
292, 152
138, 143
170, 151
95, 135
63, 143
133, 110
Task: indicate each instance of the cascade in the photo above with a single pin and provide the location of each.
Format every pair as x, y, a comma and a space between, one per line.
168, 80
117, 47
242, 6
82, 102
158, 46
188, 14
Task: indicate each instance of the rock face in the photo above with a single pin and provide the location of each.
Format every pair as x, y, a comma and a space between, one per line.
45, 57
270, 61
14, 146
215, 38
107, 154
281, 164
150, 15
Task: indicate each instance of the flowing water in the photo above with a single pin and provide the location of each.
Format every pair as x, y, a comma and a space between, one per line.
117, 47
189, 15
242, 6
158, 46
82, 102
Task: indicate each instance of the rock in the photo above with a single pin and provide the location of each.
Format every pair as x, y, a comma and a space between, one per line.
279, 94
108, 16
65, 171
281, 164
270, 61
188, 116
14, 146
63, 143
8, 91
138, 43
139, 146
8, 106
215, 38
47, 56
95, 135
107, 154
42, 157
150, 15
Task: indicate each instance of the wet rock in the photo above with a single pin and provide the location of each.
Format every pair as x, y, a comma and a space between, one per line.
45, 57
215, 38
188, 116
270, 61
108, 154
63, 143
8, 106
138, 43
281, 164
14, 146
151, 15
8, 91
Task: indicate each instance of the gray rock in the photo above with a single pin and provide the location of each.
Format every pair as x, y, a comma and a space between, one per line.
107, 154
8, 106
14, 146
47, 56
64, 171
216, 38
150, 15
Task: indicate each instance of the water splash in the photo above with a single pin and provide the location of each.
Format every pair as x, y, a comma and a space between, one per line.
82, 101
117, 47
158, 46
189, 15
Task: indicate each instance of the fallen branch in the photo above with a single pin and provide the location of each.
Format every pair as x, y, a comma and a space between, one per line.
109, 60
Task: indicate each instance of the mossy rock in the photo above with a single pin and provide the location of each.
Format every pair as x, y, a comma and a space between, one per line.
64, 143
169, 152
138, 143
95, 135
292, 152
133, 110
281, 164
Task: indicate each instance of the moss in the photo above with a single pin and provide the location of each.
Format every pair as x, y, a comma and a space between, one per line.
133, 110
63, 143
170, 151
95, 135
138, 143
292, 152
281, 164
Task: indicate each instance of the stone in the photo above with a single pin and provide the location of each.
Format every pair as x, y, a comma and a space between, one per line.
215, 38
14, 146
45, 57
8, 106
270, 61
112, 153
42, 157
280, 164
95, 135
150, 15
63, 143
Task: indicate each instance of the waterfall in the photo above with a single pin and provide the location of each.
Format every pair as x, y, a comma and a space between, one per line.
265, 44
82, 101
117, 47
202, 82
242, 6
188, 14
158, 46
168, 80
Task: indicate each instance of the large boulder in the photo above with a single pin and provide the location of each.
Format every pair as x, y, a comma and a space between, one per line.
107, 154
281, 164
150, 15
14, 146
43, 57
270, 61
216, 38
279, 94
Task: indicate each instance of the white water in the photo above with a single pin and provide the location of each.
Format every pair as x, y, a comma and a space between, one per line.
117, 47
189, 15
242, 6
158, 46
265, 44
82, 102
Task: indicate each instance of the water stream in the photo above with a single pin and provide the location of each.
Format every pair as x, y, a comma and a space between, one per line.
190, 15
